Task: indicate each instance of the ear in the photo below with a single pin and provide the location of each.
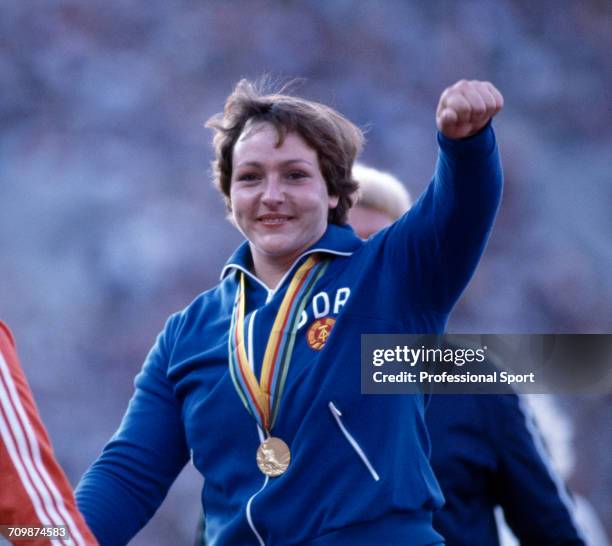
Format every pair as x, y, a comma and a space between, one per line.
229, 213
333, 201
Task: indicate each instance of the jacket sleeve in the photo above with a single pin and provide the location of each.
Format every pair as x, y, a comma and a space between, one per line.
536, 503
33, 487
439, 241
122, 489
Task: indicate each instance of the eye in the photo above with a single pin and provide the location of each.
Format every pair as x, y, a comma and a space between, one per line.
248, 177
296, 175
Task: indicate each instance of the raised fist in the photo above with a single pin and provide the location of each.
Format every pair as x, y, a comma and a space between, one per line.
466, 107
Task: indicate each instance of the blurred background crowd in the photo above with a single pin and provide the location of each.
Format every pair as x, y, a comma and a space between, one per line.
109, 221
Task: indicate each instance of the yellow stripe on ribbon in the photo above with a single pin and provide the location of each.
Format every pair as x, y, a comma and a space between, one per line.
278, 329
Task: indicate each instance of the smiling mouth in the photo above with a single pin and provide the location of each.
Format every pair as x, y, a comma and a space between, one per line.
274, 220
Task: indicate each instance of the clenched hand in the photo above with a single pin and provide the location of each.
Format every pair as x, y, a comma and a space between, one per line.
466, 107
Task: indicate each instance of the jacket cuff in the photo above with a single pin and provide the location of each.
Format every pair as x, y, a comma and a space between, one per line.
483, 142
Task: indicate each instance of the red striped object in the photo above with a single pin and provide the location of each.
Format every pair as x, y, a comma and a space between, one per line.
34, 491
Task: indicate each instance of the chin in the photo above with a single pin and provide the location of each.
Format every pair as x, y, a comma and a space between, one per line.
281, 250
277, 251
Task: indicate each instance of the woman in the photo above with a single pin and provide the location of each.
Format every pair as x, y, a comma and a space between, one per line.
258, 379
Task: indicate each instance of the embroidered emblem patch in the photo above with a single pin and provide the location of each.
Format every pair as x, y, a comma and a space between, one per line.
319, 331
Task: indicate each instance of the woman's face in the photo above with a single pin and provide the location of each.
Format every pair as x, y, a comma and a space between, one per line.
278, 195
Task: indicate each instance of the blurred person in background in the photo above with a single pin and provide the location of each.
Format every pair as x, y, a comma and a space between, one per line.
258, 380
34, 491
557, 434
486, 450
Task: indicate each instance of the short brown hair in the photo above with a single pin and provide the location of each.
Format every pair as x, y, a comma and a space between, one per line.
336, 140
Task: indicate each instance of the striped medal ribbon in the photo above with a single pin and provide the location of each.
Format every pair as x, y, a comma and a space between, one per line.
262, 398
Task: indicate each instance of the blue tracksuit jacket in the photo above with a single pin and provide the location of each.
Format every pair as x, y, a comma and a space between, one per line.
486, 452
359, 471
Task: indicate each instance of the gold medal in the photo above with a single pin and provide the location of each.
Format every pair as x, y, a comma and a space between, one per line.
273, 457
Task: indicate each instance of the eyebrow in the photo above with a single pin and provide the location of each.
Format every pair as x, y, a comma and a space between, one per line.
282, 163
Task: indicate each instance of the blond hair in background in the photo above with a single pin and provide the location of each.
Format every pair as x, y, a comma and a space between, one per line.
380, 199
380, 190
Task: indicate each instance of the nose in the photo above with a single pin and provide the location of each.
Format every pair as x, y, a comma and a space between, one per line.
273, 194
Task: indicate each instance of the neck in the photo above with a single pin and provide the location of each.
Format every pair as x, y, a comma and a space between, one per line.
271, 270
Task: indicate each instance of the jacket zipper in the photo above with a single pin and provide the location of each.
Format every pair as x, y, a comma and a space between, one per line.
248, 513
337, 415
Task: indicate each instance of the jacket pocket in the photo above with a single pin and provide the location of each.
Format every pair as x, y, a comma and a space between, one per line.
337, 414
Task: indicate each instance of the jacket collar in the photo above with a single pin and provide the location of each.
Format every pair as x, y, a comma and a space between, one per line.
337, 240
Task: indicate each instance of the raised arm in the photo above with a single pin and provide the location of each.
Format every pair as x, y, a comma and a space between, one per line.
441, 238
